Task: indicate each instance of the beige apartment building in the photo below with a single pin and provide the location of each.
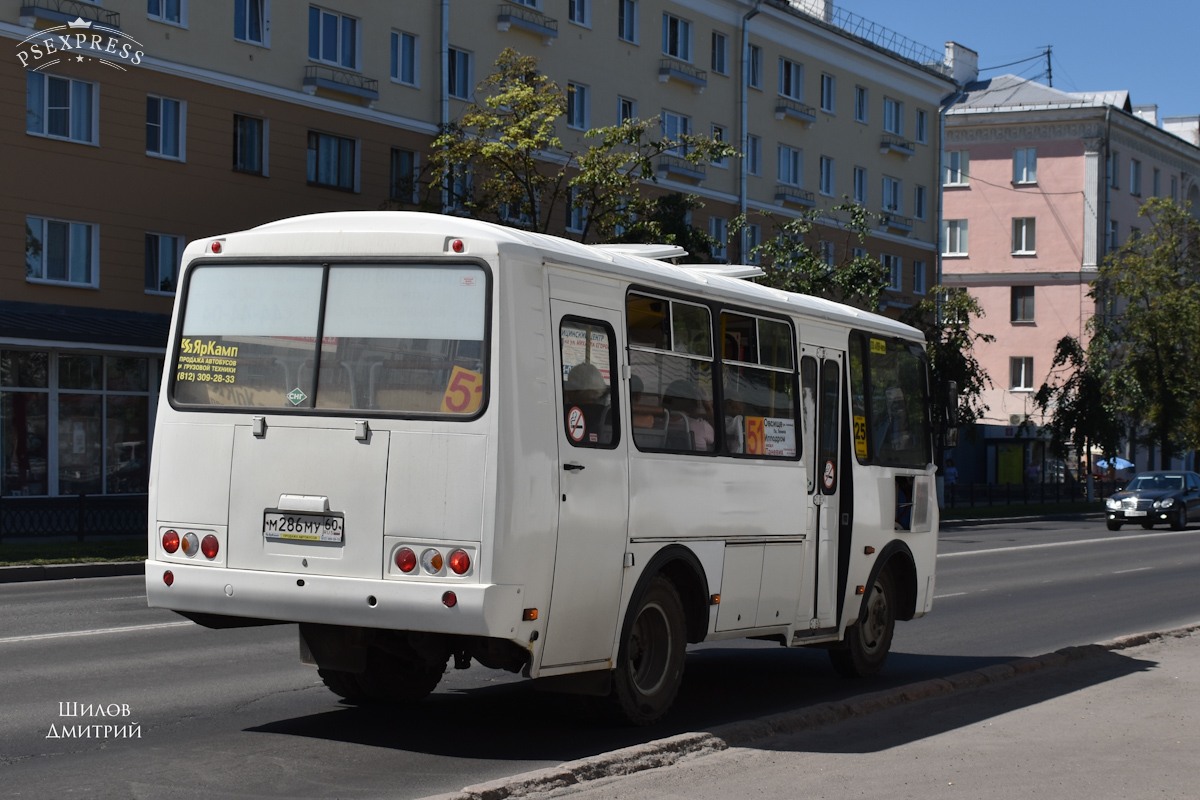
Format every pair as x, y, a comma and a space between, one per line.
149, 123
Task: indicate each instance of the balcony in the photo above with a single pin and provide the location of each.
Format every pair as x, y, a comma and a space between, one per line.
891, 221
528, 20
670, 69
894, 144
59, 11
788, 195
790, 109
677, 167
320, 78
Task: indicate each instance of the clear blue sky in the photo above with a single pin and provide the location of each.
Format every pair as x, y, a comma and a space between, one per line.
1149, 47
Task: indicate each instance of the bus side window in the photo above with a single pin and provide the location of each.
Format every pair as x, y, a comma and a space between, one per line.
588, 364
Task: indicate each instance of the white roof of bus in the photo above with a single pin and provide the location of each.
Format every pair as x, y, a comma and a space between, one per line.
291, 237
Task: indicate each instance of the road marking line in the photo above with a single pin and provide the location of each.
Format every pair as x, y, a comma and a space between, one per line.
1136, 569
952, 594
1104, 540
37, 637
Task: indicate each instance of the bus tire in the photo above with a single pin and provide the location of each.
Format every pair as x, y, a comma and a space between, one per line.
343, 684
866, 646
650, 662
388, 678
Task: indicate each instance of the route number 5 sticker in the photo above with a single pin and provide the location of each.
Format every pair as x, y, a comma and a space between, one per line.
464, 392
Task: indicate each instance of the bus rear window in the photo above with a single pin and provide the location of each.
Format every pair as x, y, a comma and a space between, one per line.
405, 339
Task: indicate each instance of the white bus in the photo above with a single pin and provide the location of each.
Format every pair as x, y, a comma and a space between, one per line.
424, 437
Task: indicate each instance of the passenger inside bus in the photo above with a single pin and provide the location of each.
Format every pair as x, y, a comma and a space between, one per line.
586, 389
683, 400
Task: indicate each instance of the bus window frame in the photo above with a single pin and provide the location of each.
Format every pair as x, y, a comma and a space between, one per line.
614, 371
170, 359
859, 345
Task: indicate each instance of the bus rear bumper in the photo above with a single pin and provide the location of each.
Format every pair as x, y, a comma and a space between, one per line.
489, 610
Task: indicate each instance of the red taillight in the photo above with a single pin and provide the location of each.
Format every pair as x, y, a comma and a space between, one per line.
406, 559
170, 541
460, 562
449, 599
210, 546
168, 577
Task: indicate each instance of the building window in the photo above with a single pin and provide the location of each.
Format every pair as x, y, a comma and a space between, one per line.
162, 262
676, 37
60, 251
1135, 177
1023, 230
1025, 165
1021, 373
627, 20
170, 11
918, 277
404, 58
791, 79
332, 38
1114, 166
755, 78
828, 93
720, 53
827, 252
860, 104
920, 202
580, 12
954, 237
860, 185
460, 74
674, 128
955, 172
164, 127
403, 184
1175, 188
753, 155
893, 116
922, 132
251, 21
894, 265
892, 199
1114, 235
718, 134
751, 239
1156, 182
1022, 304
626, 109
791, 166
576, 213
332, 161
61, 108
249, 145
577, 106
718, 230
826, 186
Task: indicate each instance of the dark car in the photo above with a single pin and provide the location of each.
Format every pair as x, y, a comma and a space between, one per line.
1170, 496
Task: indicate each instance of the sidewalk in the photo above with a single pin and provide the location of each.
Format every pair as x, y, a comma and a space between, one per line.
1119, 719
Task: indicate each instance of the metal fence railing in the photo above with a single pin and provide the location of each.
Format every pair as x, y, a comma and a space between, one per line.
80, 516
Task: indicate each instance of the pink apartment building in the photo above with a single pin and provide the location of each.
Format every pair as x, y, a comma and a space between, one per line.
1037, 186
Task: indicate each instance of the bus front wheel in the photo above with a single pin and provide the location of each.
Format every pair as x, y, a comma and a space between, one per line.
866, 645
650, 662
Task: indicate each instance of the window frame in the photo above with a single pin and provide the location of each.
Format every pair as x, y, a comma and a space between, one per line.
314, 167
677, 37
405, 58
719, 62
627, 21
155, 241
460, 65
828, 93
180, 18
240, 145
791, 79
347, 58
956, 168
40, 233
1020, 374
578, 106
37, 122
893, 116
789, 165
1024, 236
955, 232
1022, 304
180, 122
243, 16
1024, 166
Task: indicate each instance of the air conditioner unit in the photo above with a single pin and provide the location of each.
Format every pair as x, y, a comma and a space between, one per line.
1014, 419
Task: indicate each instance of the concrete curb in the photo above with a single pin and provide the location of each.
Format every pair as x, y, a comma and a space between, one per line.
664, 752
54, 572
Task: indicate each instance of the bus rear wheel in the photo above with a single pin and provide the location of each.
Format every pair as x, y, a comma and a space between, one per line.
866, 645
650, 662
388, 678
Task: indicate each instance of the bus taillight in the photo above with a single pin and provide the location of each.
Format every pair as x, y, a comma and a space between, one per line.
170, 541
431, 561
460, 562
406, 559
210, 546
190, 544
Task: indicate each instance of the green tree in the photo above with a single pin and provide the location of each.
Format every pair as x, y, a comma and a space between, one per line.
511, 165
1146, 327
1077, 400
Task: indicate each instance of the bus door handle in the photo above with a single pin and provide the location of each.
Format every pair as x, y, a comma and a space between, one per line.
572, 467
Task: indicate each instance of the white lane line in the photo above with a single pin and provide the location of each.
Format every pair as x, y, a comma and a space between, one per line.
1104, 540
37, 637
1135, 569
952, 594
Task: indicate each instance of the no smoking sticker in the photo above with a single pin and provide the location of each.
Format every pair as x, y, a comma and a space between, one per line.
576, 426
829, 477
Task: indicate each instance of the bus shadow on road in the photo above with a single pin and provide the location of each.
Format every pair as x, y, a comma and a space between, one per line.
512, 721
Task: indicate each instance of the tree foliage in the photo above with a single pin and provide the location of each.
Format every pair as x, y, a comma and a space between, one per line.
507, 162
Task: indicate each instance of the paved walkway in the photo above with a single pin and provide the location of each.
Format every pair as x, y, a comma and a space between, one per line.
1115, 720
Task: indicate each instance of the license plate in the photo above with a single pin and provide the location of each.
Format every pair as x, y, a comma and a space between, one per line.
297, 527
1135, 513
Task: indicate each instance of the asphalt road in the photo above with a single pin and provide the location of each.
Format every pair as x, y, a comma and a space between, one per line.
233, 713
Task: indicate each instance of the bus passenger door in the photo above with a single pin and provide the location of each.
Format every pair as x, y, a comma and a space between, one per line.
821, 395
593, 486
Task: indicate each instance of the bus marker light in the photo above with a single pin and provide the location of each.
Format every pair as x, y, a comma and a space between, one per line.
529, 615
868, 550
406, 559
715, 600
449, 599
431, 561
458, 246
210, 546
460, 562
168, 577
215, 247
190, 544
170, 541
860, 590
